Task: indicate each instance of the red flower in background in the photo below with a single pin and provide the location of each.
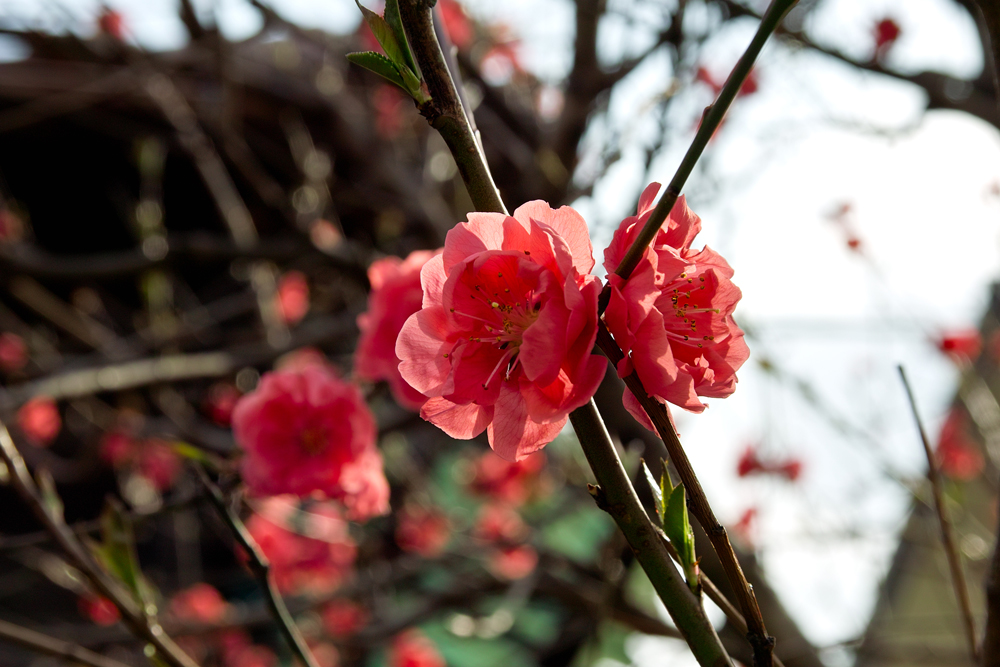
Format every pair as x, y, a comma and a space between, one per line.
746, 526
456, 23
673, 317
414, 649
11, 226
251, 656
514, 562
422, 530
342, 618
885, 33
157, 461
13, 352
201, 603
99, 610
750, 463
293, 297
220, 400
957, 454
750, 84
39, 421
961, 346
389, 108
509, 319
499, 523
305, 431
117, 448
316, 561
396, 294
111, 23
507, 481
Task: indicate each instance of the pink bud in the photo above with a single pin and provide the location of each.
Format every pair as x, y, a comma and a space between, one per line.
39, 420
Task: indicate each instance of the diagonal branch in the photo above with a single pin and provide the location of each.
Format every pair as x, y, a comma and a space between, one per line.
138, 622
59, 648
947, 538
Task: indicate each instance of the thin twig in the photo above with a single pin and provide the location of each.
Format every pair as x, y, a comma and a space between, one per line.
616, 495
991, 631
59, 648
947, 537
762, 643
140, 624
709, 124
261, 569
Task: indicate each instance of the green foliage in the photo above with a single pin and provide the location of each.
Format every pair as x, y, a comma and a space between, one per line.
47, 487
117, 554
578, 535
671, 510
397, 65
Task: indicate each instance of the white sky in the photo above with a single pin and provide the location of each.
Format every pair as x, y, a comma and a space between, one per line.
817, 134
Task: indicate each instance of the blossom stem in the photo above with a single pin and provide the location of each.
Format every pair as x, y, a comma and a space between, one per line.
141, 624
261, 570
947, 538
710, 122
760, 641
444, 111
616, 495
47, 645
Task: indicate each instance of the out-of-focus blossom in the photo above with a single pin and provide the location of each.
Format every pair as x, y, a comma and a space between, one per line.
395, 295
306, 431
254, 655
99, 610
325, 235
498, 522
293, 297
745, 528
961, 345
885, 33
508, 481
325, 654
422, 530
673, 317
201, 603
342, 618
414, 649
111, 23
39, 421
11, 226
303, 357
317, 562
157, 461
514, 562
958, 455
456, 23
13, 352
117, 448
504, 339
750, 463
750, 85
388, 101
219, 402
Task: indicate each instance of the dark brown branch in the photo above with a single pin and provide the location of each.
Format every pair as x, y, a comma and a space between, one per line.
991, 632
947, 538
40, 643
261, 570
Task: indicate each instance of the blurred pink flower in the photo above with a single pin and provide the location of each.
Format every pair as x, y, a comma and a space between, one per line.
342, 618
201, 603
219, 402
498, 522
39, 421
509, 319
117, 448
306, 431
99, 610
253, 655
673, 316
957, 454
508, 481
456, 23
962, 345
396, 294
885, 32
318, 562
514, 562
157, 461
422, 530
13, 352
414, 649
293, 297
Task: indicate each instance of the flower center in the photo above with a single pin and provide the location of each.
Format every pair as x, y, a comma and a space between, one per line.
686, 328
313, 440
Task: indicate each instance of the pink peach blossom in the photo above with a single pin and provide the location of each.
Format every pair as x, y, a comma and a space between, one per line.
306, 430
293, 297
157, 461
425, 531
39, 421
396, 294
13, 352
342, 618
673, 316
503, 341
508, 481
414, 649
201, 603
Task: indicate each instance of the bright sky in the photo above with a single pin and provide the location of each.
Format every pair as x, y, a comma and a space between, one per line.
817, 135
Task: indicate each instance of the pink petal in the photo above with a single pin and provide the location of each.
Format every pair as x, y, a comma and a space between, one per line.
646, 198
432, 278
421, 346
682, 225
544, 344
513, 435
568, 225
483, 231
652, 355
459, 421
632, 404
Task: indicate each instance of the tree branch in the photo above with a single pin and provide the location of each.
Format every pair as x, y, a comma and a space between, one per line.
135, 617
36, 641
954, 559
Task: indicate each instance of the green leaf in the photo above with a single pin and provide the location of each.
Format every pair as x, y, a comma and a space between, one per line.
677, 526
654, 486
117, 553
376, 62
396, 23
189, 451
385, 35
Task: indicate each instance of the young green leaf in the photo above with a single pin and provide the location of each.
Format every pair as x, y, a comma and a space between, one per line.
396, 23
384, 34
117, 553
376, 62
47, 487
677, 526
